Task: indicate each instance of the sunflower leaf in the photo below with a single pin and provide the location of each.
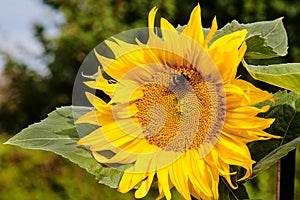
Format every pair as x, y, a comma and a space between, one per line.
274, 156
275, 39
287, 98
227, 193
286, 110
265, 39
286, 76
58, 134
258, 48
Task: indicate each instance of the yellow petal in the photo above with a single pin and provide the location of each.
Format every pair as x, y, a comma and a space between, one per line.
144, 187
151, 22
90, 117
223, 168
242, 51
179, 177
225, 52
151, 17
197, 174
163, 182
104, 61
140, 147
173, 42
232, 41
146, 162
124, 111
105, 86
212, 172
228, 146
92, 138
122, 157
194, 27
211, 33
242, 135
129, 180
98, 103
164, 24
262, 134
235, 96
255, 94
120, 129
249, 110
127, 92
107, 136
126, 62
119, 47
237, 121
99, 157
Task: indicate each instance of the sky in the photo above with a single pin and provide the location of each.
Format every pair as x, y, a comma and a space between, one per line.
17, 18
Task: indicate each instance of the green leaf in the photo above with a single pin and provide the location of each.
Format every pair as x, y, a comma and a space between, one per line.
227, 193
266, 39
258, 48
287, 98
58, 134
286, 111
274, 156
282, 75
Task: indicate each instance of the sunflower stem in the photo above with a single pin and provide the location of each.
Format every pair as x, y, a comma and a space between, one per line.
286, 177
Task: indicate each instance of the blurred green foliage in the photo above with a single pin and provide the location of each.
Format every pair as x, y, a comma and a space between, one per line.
264, 186
27, 174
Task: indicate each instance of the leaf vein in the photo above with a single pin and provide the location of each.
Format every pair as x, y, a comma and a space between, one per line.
287, 129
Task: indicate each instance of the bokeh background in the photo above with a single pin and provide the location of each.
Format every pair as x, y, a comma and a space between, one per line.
39, 60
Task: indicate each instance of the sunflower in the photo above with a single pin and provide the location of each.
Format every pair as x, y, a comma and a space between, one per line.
177, 113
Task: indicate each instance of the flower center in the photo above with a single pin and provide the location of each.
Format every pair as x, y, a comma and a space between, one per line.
175, 111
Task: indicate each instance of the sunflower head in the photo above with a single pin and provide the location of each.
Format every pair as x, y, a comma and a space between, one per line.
175, 111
